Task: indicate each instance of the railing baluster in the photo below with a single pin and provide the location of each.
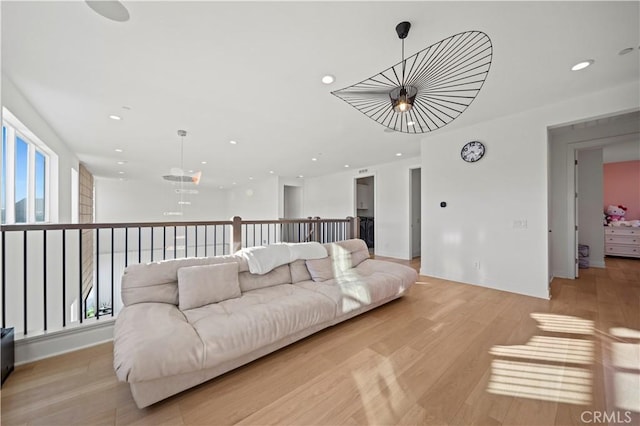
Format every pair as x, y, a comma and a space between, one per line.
44, 276
97, 312
224, 245
254, 234
186, 242
205, 241
196, 238
175, 242
126, 247
80, 301
152, 232
112, 274
139, 244
164, 243
64, 278
24, 282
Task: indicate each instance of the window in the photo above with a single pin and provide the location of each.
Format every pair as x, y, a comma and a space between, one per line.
24, 192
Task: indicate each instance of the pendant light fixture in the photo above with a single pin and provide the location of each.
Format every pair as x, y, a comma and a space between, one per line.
402, 97
427, 90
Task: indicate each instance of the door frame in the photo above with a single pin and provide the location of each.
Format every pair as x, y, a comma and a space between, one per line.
375, 203
411, 169
572, 198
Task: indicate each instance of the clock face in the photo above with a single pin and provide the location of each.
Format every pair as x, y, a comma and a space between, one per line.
472, 151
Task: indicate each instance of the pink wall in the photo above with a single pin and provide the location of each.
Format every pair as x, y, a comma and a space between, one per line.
622, 186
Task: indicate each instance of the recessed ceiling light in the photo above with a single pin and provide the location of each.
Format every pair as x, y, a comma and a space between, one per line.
115, 117
121, 173
186, 203
346, 165
411, 123
582, 65
121, 162
221, 187
398, 154
625, 51
300, 176
233, 142
234, 183
118, 150
314, 159
250, 177
203, 162
271, 172
328, 79
190, 171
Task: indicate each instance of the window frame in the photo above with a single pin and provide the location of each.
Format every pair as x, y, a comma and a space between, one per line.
14, 130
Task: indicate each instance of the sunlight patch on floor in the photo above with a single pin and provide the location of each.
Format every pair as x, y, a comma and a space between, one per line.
571, 385
544, 376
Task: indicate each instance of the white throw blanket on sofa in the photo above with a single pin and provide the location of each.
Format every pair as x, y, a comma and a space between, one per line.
263, 259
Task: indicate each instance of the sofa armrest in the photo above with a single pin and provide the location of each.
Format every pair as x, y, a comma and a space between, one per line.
153, 340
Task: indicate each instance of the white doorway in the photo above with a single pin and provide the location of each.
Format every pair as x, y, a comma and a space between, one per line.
365, 208
415, 210
292, 202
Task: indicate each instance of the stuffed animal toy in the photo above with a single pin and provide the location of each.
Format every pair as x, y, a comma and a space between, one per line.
615, 213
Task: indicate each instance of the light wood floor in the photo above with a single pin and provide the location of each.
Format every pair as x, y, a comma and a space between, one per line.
447, 353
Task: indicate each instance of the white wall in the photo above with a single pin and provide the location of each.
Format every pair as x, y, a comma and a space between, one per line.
626, 151
590, 193
255, 200
333, 196
141, 201
15, 102
494, 231
282, 182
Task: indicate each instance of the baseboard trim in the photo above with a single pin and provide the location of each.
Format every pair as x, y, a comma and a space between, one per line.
597, 264
34, 348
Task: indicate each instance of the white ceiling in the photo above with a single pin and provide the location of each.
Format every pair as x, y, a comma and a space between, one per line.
251, 72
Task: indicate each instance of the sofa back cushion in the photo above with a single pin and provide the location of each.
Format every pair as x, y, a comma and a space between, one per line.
205, 284
277, 276
299, 271
352, 252
158, 282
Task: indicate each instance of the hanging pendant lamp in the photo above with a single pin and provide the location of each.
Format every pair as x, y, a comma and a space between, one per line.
427, 90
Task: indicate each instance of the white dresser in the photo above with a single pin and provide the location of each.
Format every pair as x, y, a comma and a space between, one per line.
619, 241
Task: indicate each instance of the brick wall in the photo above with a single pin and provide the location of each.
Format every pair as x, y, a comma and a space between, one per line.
85, 215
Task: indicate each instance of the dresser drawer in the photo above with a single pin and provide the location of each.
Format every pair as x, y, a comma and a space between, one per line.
618, 230
622, 250
622, 239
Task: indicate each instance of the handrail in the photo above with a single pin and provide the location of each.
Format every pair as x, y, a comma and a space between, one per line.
58, 275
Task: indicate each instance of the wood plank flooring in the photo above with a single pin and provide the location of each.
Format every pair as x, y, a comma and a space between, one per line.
447, 353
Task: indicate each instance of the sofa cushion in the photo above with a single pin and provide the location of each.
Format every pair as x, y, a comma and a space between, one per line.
299, 271
352, 251
158, 281
153, 340
328, 268
205, 284
235, 327
277, 276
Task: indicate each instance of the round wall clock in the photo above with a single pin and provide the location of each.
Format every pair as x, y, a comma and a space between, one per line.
472, 151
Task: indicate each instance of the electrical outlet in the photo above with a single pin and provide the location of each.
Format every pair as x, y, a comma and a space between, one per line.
477, 264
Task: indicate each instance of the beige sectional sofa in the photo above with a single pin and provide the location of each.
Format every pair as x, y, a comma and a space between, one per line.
187, 321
